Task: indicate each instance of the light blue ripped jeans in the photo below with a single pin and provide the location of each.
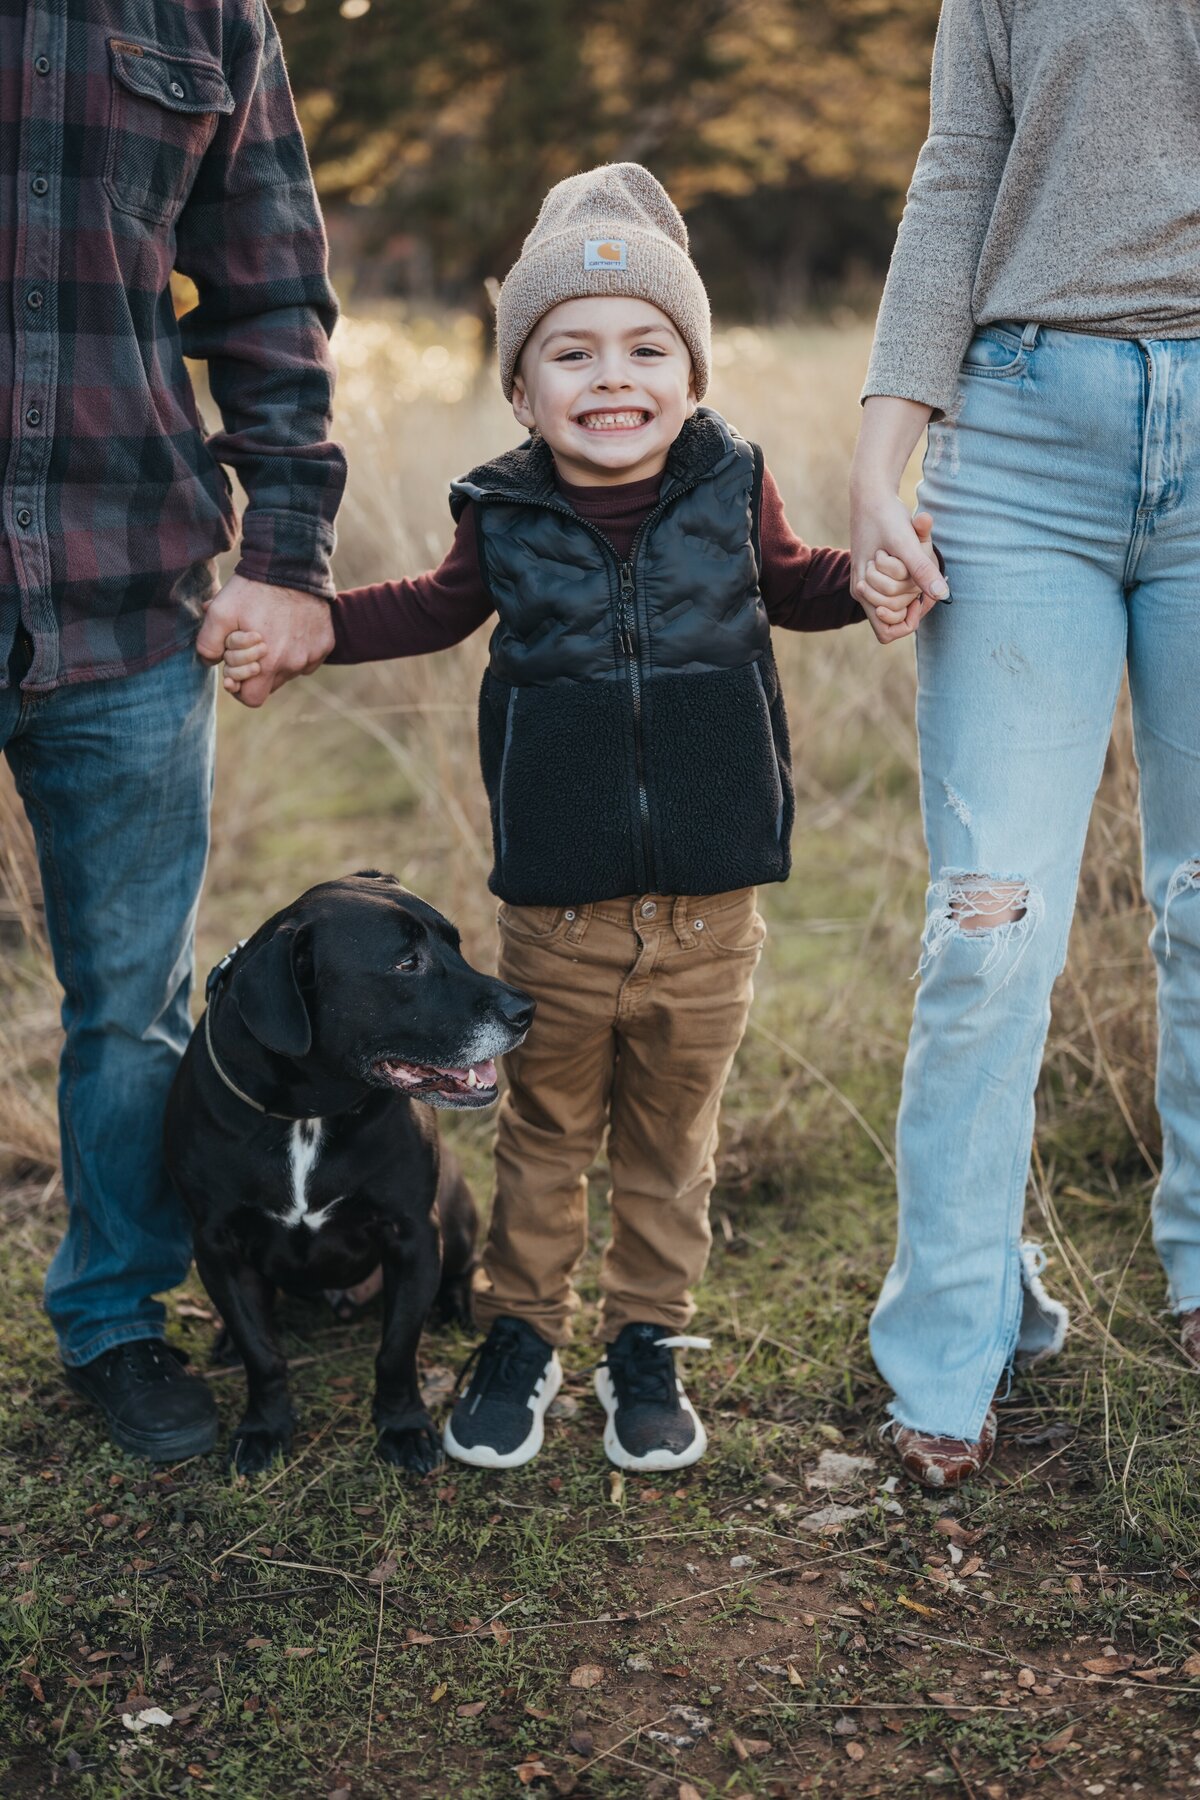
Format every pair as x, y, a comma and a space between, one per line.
1065, 492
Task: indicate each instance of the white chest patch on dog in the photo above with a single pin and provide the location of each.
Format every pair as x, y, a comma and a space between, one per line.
304, 1153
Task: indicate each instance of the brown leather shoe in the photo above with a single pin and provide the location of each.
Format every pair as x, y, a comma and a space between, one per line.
1189, 1335
944, 1462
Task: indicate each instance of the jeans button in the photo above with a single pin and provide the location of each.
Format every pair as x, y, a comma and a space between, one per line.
568, 915
648, 909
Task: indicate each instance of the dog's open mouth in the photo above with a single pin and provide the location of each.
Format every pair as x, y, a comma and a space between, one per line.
478, 1082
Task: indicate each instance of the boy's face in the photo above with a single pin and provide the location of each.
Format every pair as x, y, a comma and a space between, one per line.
608, 384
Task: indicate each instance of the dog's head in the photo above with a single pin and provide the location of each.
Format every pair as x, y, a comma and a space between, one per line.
360, 979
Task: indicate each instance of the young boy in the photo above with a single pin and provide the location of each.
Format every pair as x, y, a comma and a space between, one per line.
635, 753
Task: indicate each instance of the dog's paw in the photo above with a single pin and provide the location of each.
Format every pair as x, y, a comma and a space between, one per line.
417, 1449
254, 1448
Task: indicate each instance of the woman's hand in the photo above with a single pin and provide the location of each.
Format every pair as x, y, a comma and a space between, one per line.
881, 532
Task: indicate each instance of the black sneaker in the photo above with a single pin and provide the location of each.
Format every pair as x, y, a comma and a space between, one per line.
497, 1422
153, 1408
651, 1422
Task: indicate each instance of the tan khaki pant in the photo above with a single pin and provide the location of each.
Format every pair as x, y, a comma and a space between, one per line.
641, 1004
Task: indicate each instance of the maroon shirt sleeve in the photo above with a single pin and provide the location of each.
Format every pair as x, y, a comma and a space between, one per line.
803, 589
411, 618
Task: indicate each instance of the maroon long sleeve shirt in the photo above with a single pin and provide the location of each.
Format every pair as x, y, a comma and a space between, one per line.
803, 589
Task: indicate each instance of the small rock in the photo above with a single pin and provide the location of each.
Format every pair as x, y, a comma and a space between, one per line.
835, 1470
829, 1518
639, 1664
563, 1406
741, 1562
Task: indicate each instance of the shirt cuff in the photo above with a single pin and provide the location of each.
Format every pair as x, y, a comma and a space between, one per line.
289, 550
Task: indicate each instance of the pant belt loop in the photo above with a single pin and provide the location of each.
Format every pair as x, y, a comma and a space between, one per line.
578, 924
682, 915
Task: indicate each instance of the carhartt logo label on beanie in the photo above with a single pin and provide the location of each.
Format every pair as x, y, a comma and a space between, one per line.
611, 230
606, 253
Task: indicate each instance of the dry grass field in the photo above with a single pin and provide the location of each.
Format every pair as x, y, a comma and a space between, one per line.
331, 1630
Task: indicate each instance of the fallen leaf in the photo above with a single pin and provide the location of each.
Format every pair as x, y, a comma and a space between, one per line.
926, 1612
1191, 1668
795, 1679
972, 1566
439, 1693
1107, 1665
943, 1699
757, 1746
418, 1637
1026, 1679
688, 1792
257, 1643
537, 1712
582, 1743
536, 1770
855, 1751
616, 1487
300, 1650
835, 1471
33, 1684
1149, 1674
587, 1675
501, 1633
383, 1571
739, 1749
153, 1715
1060, 1740
949, 1527
471, 1709
829, 1518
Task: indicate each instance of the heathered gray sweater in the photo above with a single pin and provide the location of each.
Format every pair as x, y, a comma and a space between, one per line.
1060, 182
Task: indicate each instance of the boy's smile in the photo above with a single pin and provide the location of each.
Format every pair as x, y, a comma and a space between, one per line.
608, 384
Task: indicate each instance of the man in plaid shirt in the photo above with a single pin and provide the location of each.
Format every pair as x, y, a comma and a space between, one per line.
138, 136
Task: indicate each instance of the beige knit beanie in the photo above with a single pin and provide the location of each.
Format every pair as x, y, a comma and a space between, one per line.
611, 230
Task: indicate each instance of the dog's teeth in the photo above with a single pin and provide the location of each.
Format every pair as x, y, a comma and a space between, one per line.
472, 1078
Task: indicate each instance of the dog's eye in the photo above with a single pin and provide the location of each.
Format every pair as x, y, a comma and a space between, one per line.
407, 964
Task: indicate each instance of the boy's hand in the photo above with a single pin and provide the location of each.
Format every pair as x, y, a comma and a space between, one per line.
894, 601
244, 655
296, 630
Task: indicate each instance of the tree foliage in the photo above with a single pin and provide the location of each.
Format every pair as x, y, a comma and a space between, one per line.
448, 121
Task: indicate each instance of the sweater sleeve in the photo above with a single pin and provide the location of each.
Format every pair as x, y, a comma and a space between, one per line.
411, 618
803, 589
926, 319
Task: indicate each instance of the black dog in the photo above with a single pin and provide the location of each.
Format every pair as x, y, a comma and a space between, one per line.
291, 1135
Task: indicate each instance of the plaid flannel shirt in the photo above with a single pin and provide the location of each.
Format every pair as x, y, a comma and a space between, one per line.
138, 136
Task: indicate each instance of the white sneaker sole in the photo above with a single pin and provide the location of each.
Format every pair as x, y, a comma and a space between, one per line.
653, 1459
482, 1456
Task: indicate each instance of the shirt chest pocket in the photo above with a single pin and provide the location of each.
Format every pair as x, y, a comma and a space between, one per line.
164, 110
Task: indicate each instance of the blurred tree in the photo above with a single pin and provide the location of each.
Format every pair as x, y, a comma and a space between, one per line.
447, 121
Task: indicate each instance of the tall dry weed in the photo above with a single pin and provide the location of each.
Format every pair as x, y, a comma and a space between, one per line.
378, 767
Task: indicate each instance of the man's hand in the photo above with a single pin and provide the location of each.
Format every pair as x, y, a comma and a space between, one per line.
296, 629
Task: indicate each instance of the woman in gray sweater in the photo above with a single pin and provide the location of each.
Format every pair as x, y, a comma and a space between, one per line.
1042, 317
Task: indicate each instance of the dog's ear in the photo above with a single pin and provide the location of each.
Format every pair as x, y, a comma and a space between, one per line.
267, 993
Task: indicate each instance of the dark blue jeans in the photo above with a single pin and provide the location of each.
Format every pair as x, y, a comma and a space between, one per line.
116, 777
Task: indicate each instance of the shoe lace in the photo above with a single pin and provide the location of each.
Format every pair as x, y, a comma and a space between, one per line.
644, 1368
505, 1360
147, 1361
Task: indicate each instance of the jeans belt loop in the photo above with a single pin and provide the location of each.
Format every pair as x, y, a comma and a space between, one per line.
1029, 336
577, 925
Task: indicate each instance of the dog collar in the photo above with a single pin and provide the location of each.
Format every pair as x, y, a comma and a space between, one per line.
210, 990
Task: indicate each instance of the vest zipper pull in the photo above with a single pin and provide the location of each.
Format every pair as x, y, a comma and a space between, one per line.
628, 640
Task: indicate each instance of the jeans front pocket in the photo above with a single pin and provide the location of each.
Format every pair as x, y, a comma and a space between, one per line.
999, 351
163, 113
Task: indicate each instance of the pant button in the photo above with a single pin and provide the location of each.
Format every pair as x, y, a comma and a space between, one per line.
648, 909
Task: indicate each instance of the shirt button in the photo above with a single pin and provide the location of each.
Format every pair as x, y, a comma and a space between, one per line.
42, 65
177, 89
40, 185
648, 909
24, 517
35, 299
33, 416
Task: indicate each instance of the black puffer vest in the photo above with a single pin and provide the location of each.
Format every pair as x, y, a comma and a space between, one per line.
631, 728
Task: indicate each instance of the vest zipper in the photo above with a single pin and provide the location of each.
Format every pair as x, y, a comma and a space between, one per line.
627, 632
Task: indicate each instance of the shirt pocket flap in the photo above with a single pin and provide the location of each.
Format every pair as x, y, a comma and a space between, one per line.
181, 84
